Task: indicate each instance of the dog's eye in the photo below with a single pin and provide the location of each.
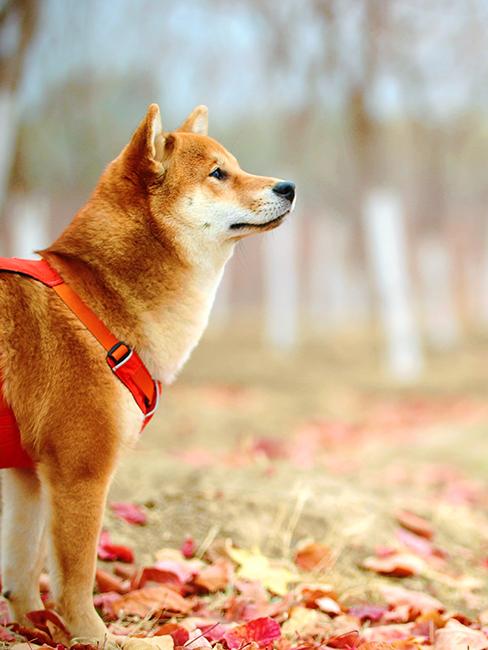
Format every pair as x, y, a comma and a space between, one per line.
218, 173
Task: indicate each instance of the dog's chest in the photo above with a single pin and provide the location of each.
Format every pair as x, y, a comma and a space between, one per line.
173, 331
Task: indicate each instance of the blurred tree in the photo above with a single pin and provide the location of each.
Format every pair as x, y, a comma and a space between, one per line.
18, 24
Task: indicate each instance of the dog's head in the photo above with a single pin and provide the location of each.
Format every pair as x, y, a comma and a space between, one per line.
196, 187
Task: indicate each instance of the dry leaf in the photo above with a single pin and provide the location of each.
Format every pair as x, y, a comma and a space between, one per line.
188, 548
215, 577
373, 613
301, 620
415, 524
150, 643
109, 552
254, 566
261, 631
107, 582
389, 632
313, 557
398, 565
347, 641
456, 636
129, 512
329, 606
423, 603
151, 601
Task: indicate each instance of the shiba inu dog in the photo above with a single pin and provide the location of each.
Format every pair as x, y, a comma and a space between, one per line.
146, 254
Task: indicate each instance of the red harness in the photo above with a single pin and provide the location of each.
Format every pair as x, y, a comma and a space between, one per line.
123, 360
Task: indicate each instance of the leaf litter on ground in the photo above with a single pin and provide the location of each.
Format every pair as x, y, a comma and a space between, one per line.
230, 598
234, 598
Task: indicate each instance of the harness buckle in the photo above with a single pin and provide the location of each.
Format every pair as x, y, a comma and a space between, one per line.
119, 361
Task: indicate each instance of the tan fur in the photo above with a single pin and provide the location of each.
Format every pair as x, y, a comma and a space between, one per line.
146, 253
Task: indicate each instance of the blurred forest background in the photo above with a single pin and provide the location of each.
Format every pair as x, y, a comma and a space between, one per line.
343, 374
377, 109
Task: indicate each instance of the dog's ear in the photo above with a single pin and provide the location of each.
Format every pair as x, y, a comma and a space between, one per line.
197, 121
148, 141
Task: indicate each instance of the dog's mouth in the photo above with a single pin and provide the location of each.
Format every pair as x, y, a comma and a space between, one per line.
260, 226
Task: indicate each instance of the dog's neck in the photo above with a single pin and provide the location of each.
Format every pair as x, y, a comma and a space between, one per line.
148, 287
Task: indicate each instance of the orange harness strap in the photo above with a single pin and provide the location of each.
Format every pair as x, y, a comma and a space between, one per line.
125, 363
123, 360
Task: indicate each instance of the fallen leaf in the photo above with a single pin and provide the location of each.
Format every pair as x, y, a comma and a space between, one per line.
329, 606
373, 613
261, 631
4, 615
313, 557
270, 448
422, 602
346, 641
109, 552
213, 632
130, 512
455, 636
42, 617
150, 601
301, 620
421, 546
107, 582
400, 614
188, 548
179, 634
311, 593
252, 590
183, 570
415, 523
149, 643
197, 640
389, 632
254, 566
434, 617
32, 634
215, 577
398, 565
159, 575
124, 571
5, 635
386, 645
104, 602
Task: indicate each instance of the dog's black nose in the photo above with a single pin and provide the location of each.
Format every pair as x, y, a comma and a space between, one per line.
286, 189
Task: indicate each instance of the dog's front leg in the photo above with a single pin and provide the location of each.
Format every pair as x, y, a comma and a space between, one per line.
75, 499
22, 541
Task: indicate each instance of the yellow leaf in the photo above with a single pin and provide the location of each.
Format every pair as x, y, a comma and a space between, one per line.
255, 566
302, 620
164, 642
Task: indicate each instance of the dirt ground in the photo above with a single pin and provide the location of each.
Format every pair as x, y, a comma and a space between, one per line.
270, 449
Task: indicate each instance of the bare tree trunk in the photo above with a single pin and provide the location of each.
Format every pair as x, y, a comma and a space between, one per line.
281, 286
8, 127
28, 224
439, 315
386, 241
22, 14
330, 290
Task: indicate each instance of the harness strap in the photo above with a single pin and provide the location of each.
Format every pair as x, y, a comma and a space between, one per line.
39, 270
122, 359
